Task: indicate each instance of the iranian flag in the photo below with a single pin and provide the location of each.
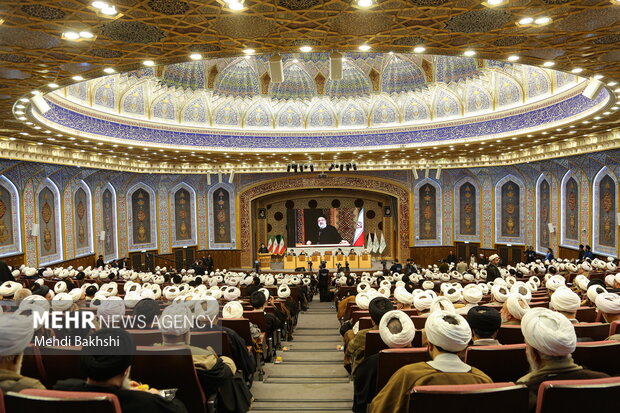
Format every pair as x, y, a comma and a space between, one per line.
358, 238
270, 245
281, 247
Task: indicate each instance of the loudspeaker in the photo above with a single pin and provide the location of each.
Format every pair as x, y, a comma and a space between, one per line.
591, 91
40, 103
102, 236
551, 228
438, 173
34, 231
415, 172
335, 66
276, 68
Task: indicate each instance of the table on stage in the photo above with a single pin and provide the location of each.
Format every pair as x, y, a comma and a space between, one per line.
290, 262
326, 253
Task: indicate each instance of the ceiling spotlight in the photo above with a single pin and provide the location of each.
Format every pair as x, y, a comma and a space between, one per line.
419, 49
364, 48
86, 35
25, 100
598, 77
77, 78
526, 20
364, 3
99, 4
470, 53
612, 83
577, 70
52, 85
542, 21
109, 10
513, 58
306, 49
22, 118
195, 56
249, 51
548, 63
71, 35
236, 5
109, 70
148, 63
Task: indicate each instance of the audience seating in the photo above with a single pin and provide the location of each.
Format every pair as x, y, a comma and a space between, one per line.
614, 328
356, 315
601, 356
32, 364
419, 321
593, 331
586, 314
217, 340
2, 409
365, 322
594, 395
391, 360
60, 363
51, 401
505, 397
375, 344
500, 363
170, 368
510, 334
145, 337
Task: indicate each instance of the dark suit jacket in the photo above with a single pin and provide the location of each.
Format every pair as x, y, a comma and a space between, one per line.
492, 272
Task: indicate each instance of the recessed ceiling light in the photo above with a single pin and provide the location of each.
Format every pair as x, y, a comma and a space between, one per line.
86, 35
20, 106
612, 83
526, 20
235, 5
598, 77
19, 112
71, 35
249, 51
109, 10
542, 20
77, 78
195, 56
364, 47
513, 58
306, 49
52, 85
577, 70
548, 63
148, 63
469, 53
364, 3
419, 49
99, 4
22, 118
35, 92
109, 70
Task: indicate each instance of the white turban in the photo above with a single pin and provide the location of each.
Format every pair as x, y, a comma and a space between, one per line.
586, 266
9, 288
564, 299
363, 287
549, 332
403, 296
60, 287
384, 292
76, 294
472, 294
171, 292
610, 279
265, 292
131, 299
521, 289
232, 309
17, 331
448, 330
555, 282
517, 306
422, 301
35, 300
208, 307
582, 282
593, 291
231, 293
453, 294
62, 302
500, 293
428, 285
609, 303
441, 304
401, 339
176, 320
492, 257
111, 307
362, 300
284, 291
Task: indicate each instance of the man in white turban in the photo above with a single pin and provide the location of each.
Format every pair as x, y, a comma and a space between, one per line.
16, 331
550, 340
514, 309
448, 334
110, 312
232, 309
566, 302
609, 305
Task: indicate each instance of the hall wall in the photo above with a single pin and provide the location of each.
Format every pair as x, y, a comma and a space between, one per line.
70, 226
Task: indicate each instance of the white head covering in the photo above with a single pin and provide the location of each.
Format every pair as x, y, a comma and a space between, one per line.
384, 292
564, 299
500, 293
363, 287
232, 309
472, 294
111, 307
428, 285
403, 296
284, 291
62, 302
549, 332
60, 287
441, 304
9, 288
492, 257
401, 339
555, 282
362, 300
17, 331
231, 293
521, 289
422, 301
593, 291
452, 294
609, 303
517, 306
207, 307
176, 320
442, 332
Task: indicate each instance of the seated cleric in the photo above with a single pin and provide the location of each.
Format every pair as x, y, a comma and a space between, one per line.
327, 234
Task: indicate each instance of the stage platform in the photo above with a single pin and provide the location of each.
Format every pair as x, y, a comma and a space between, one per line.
278, 267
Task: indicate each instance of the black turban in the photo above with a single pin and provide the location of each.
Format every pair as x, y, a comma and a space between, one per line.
110, 355
90, 291
148, 309
177, 279
41, 290
597, 281
80, 275
378, 307
485, 321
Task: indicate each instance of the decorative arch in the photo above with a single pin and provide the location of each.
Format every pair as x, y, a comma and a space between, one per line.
510, 210
105, 94
290, 117
10, 225
349, 181
508, 91
537, 82
109, 222
50, 223
183, 200
416, 110
477, 99
227, 115
82, 219
321, 115
569, 221
163, 107
222, 217
195, 112
427, 202
134, 101
604, 222
543, 213
259, 115
445, 103
384, 112
352, 115
142, 217
467, 210
297, 84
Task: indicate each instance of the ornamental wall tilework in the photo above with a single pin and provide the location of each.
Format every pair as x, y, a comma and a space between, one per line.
543, 214
604, 209
570, 227
510, 217
49, 218
202, 217
109, 223
68, 221
183, 214
222, 217
467, 210
10, 223
31, 259
163, 219
142, 217
427, 204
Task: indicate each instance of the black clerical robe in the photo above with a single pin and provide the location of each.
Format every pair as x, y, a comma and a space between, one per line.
327, 235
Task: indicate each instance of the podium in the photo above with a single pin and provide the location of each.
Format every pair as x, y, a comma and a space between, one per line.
265, 261
316, 261
290, 262
353, 261
339, 259
365, 261
302, 260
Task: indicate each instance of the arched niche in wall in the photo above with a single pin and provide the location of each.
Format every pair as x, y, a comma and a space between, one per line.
10, 225
109, 223
82, 219
48, 217
604, 222
142, 218
183, 211
569, 216
427, 212
510, 210
543, 213
222, 217
467, 210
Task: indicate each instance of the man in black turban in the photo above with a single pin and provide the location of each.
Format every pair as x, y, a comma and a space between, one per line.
146, 309
485, 323
106, 362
